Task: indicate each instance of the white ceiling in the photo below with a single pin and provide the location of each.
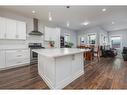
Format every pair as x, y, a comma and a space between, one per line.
76, 15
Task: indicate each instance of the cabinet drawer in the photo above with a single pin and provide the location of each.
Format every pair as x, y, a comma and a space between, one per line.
16, 62
14, 54
17, 57
22, 61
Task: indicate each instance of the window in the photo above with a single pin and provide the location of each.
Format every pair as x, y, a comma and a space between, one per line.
92, 38
67, 37
115, 41
82, 40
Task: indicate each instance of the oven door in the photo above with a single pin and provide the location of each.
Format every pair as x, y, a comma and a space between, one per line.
34, 57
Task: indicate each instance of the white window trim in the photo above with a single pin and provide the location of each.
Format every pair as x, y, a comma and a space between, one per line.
88, 38
79, 36
116, 36
67, 34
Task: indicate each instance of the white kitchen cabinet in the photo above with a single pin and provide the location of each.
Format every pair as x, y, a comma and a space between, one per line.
2, 28
10, 29
48, 33
57, 38
17, 57
53, 34
59, 67
21, 30
2, 59
77, 64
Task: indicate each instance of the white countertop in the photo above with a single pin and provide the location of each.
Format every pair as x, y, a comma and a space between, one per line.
57, 52
12, 47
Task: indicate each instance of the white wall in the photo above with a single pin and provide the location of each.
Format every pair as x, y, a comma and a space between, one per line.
93, 30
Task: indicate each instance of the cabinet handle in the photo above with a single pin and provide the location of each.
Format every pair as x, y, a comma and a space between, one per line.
17, 36
19, 55
5, 35
19, 51
73, 57
19, 62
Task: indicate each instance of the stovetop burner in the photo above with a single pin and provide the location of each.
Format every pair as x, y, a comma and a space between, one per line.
35, 46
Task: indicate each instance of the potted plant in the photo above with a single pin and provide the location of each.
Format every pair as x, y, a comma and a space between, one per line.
68, 44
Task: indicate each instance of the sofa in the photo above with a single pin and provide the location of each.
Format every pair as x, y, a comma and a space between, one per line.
108, 52
124, 53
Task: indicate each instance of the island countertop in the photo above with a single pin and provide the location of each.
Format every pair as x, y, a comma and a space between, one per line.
57, 52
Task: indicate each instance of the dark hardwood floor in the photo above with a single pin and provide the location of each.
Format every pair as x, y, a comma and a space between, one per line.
107, 74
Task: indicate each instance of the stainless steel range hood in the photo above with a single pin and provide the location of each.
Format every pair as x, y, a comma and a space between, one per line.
35, 26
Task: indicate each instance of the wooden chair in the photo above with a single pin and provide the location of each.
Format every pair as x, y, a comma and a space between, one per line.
87, 55
97, 52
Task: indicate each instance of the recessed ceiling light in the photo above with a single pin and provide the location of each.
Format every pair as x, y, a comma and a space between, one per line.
104, 9
68, 24
113, 22
33, 11
85, 23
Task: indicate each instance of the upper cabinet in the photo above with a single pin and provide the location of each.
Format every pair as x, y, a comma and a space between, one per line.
53, 34
12, 29
2, 28
48, 33
21, 30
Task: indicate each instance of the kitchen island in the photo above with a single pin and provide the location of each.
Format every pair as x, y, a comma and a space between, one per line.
59, 67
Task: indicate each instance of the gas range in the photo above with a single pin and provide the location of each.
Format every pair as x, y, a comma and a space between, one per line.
33, 55
35, 46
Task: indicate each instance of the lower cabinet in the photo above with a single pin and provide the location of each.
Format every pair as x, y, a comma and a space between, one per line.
2, 59
14, 58
17, 57
77, 64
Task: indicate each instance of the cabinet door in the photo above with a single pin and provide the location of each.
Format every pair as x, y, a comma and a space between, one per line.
17, 57
2, 28
47, 33
11, 29
77, 64
63, 69
11, 57
53, 34
21, 30
56, 37
2, 59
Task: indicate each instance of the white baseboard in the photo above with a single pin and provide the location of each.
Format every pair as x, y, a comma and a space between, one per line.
14, 66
